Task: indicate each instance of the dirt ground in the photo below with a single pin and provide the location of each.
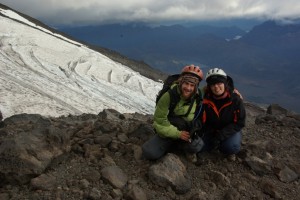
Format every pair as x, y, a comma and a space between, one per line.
268, 166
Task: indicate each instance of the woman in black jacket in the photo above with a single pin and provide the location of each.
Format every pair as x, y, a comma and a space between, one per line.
223, 114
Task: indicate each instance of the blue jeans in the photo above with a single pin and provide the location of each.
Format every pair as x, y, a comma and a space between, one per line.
231, 145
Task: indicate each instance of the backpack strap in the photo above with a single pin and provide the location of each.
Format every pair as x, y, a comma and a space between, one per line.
199, 99
190, 108
174, 99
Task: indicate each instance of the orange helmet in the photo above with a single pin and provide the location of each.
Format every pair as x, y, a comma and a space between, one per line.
194, 70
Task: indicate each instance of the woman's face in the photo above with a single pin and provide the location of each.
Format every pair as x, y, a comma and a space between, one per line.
218, 88
187, 89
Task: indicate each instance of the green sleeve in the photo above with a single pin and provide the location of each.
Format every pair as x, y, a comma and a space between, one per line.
161, 123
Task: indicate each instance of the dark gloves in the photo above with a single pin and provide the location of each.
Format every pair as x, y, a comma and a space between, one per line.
196, 127
196, 144
216, 143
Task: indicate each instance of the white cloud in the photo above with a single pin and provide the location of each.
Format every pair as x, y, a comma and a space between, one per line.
102, 11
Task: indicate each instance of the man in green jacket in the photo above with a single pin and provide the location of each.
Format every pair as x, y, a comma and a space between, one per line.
173, 126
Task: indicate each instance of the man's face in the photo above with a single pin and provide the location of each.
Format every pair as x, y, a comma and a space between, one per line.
187, 89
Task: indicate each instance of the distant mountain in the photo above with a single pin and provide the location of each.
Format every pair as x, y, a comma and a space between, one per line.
264, 61
152, 44
139, 31
282, 40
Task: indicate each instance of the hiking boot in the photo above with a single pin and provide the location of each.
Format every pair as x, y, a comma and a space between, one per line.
192, 157
231, 157
200, 160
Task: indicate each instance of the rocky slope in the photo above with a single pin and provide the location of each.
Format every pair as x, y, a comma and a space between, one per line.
99, 157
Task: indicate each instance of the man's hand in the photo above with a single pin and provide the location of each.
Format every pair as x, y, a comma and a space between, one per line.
184, 135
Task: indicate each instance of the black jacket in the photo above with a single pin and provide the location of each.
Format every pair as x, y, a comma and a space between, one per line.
222, 117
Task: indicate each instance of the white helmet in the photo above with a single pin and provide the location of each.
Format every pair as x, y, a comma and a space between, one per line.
215, 72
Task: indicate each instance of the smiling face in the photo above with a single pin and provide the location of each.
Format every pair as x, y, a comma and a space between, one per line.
218, 88
187, 89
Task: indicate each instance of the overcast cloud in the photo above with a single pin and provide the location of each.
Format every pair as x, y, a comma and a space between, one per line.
154, 11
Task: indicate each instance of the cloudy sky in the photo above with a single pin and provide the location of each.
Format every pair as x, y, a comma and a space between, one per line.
154, 11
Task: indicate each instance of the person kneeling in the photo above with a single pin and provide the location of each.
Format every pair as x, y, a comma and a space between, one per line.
172, 125
223, 115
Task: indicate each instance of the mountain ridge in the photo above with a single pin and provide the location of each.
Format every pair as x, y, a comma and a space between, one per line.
269, 60
46, 73
136, 65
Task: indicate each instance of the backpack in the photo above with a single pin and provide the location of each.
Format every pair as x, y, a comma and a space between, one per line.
175, 97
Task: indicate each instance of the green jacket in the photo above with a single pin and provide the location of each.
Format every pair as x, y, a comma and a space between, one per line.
161, 123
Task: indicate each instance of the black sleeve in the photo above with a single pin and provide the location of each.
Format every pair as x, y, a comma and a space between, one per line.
179, 123
237, 126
